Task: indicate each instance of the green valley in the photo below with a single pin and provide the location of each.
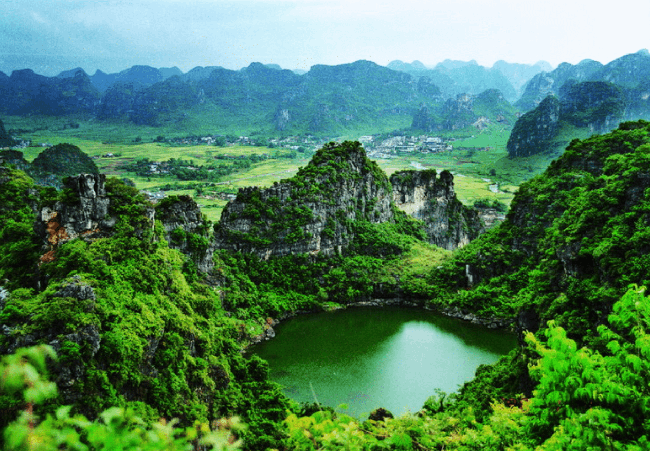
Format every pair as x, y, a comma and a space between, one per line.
149, 308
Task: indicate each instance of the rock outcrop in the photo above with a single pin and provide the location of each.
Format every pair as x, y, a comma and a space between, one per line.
83, 214
316, 211
535, 129
464, 111
597, 105
431, 199
187, 230
312, 213
86, 338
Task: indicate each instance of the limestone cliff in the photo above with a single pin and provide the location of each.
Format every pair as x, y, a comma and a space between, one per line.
83, 214
316, 211
534, 130
186, 229
594, 105
431, 199
466, 110
597, 105
86, 213
311, 213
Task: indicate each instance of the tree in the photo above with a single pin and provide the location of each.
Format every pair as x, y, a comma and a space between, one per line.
591, 399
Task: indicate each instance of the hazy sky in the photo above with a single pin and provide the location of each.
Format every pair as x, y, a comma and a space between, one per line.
53, 35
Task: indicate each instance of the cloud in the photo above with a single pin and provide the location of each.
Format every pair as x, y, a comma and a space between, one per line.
115, 34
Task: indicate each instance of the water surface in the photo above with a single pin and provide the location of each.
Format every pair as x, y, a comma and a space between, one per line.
378, 357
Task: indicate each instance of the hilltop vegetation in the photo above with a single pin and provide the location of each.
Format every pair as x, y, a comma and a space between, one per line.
563, 267
52, 165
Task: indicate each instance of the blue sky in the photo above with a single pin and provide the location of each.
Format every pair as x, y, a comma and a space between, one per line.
53, 35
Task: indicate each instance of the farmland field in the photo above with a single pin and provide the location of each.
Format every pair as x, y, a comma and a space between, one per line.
479, 162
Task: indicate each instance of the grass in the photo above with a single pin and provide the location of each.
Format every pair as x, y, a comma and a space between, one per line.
474, 168
48, 128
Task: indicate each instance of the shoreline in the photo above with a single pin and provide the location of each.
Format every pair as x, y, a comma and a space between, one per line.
451, 312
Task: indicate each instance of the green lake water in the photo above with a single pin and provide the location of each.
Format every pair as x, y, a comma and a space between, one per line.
378, 357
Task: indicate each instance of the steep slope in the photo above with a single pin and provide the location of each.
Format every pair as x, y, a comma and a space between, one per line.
534, 131
314, 212
627, 71
53, 164
326, 100
466, 110
25, 92
546, 83
329, 202
460, 77
582, 108
431, 199
519, 74
119, 307
574, 239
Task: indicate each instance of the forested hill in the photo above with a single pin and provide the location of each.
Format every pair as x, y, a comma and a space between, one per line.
574, 239
629, 71
328, 99
136, 326
580, 109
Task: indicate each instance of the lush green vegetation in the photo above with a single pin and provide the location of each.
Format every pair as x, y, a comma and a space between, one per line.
25, 375
53, 164
136, 328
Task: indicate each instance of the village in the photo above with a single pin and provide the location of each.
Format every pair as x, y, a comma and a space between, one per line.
377, 146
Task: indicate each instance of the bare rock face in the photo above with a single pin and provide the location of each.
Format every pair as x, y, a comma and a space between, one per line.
313, 212
84, 215
431, 199
187, 230
316, 211
535, 129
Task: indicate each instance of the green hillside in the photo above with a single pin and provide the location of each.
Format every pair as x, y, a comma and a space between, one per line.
135, 326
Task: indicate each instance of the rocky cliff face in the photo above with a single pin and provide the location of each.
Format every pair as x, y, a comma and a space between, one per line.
85, 214
187, 230
316, 211
431, 199
597, 105
313, 212
535, 129
549, 83
465, 110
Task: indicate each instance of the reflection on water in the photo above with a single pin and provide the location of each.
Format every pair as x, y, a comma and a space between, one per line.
378, 357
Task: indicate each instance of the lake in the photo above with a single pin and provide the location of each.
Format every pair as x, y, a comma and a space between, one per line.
387, 357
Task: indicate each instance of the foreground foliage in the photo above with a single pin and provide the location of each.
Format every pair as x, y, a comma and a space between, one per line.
116, 428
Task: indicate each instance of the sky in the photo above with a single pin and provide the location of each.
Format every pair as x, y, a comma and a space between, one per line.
50, 36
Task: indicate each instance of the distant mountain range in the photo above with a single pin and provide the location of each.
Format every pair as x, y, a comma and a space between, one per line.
325, 100
588, 96
629, 72
460, 77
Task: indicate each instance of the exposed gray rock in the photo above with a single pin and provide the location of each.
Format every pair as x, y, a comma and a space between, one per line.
431, 199
311, 213
86, 217
187, 230
78, 290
